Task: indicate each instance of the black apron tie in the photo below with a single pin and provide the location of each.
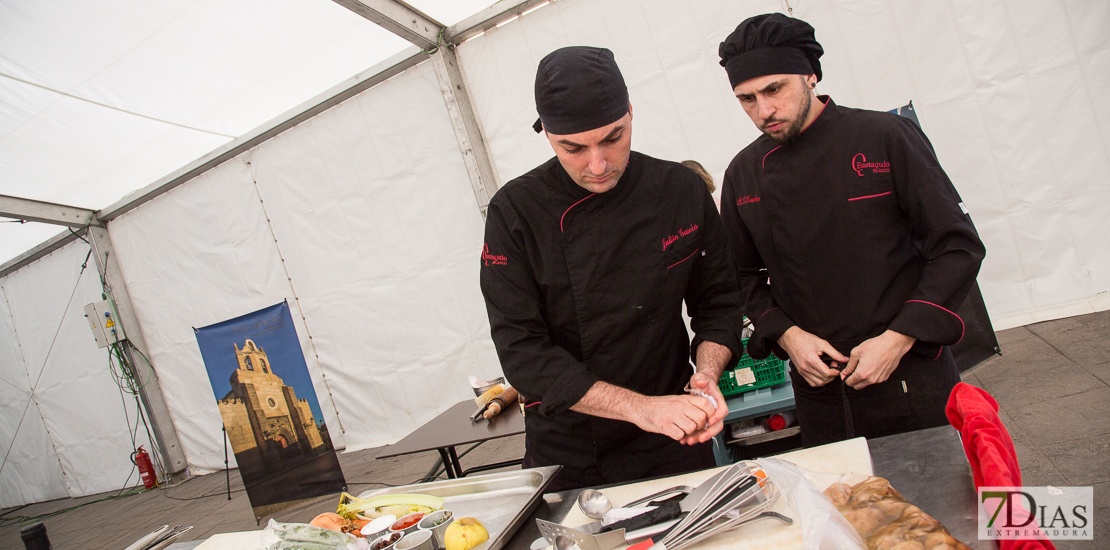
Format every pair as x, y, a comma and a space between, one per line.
849, 426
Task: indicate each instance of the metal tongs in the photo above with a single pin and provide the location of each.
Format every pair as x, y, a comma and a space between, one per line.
742, 494
737, 495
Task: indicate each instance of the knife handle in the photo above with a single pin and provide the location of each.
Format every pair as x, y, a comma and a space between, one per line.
676, 498
666, 511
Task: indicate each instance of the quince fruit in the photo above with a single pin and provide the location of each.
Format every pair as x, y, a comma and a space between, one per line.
464, 534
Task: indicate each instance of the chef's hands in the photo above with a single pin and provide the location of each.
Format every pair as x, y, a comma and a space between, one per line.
676, 416
805, 352
688, 419
679, 417
871, 362
711, 359
874, 359
716, 420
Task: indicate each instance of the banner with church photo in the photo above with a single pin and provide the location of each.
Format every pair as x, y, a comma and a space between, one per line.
274, 423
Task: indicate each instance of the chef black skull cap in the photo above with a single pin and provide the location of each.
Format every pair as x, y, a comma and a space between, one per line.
770, 44
579, 88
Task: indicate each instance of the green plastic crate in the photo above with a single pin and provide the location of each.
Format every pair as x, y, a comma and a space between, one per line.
767, 372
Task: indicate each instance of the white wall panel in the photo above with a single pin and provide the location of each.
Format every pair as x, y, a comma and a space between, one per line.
1005, 91
199, 255
60, 408
379, 230
667, 51
30, 471
379, 227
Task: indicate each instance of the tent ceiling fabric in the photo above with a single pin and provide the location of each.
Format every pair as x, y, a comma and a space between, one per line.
100, 98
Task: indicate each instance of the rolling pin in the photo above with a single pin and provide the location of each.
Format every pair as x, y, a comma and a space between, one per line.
500, 403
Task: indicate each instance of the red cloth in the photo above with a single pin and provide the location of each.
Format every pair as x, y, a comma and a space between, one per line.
988, 447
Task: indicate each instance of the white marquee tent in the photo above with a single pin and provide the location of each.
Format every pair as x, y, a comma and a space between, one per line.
226, 159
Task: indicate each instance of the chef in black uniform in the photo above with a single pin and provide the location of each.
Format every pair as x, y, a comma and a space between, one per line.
587, 261
854, 248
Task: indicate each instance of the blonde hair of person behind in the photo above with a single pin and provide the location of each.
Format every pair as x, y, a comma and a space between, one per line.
700, 170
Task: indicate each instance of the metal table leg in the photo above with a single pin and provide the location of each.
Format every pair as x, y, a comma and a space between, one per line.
455, 462
448, 465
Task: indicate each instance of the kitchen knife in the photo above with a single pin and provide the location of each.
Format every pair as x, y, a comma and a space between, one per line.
678, 491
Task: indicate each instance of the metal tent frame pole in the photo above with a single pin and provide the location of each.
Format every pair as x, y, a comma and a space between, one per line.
150, 389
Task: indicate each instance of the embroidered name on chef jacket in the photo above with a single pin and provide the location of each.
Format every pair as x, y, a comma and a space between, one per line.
492, 259
668, 241
859, 164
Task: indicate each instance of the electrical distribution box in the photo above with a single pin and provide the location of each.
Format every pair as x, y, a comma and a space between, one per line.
105, 327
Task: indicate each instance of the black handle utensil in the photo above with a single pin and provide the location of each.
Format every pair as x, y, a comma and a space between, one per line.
664, 512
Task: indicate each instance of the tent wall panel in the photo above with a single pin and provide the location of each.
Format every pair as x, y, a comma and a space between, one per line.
374, 213
364, 220
198, 255
61, 411
681, 102
1005, 92
30, 471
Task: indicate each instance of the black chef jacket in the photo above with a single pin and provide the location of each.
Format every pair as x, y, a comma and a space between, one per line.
851, 229
584, 287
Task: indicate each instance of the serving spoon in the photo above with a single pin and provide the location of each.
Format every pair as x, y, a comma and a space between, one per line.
594, 503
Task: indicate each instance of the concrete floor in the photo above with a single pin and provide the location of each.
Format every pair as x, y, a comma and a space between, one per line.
1053, 384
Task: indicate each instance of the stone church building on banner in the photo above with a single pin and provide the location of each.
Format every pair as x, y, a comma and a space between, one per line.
266, 423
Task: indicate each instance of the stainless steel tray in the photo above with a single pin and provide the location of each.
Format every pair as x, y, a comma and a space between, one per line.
501, 501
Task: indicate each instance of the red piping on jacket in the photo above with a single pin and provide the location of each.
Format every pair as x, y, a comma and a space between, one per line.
684, 259
568, 210
963, 327
941, 350
823, 105
534, 403
870, 196
764, 163
765, 313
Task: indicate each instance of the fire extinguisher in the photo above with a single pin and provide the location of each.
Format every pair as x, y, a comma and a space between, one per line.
146, 469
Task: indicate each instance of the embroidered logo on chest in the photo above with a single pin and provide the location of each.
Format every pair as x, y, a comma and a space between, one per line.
859, 164
492, 259
747, 199
668, 241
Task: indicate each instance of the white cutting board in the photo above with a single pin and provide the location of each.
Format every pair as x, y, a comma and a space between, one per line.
244, 540
844, 457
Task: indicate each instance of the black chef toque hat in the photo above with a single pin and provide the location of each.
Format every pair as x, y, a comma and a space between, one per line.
579, 88
770, 44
